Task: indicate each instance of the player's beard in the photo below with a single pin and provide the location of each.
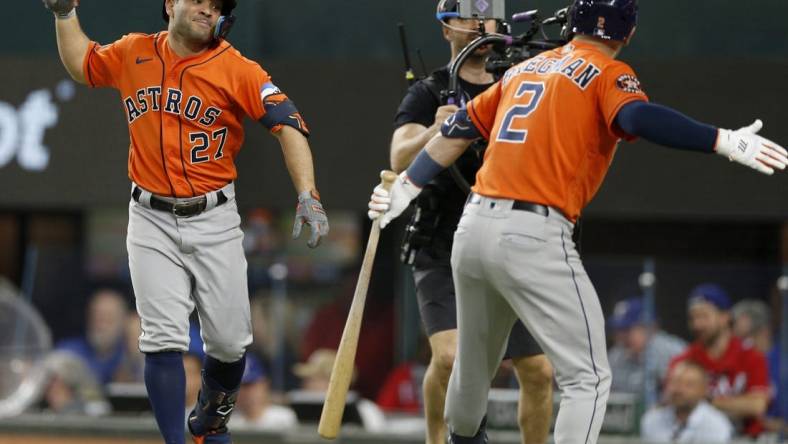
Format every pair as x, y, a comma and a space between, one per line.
480, 55
711, 338
192, 33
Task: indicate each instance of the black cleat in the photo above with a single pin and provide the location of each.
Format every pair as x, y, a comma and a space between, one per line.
479, 438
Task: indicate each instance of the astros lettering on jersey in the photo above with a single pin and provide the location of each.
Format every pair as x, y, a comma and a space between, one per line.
551, 126
185, 114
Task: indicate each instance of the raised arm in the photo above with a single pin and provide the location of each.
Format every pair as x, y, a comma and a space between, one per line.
406, 142
410, 138
72, 43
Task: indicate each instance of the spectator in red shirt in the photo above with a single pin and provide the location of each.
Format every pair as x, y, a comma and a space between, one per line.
738, 372
401, 393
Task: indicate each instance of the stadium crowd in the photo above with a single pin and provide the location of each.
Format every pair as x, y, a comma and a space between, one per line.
719, 386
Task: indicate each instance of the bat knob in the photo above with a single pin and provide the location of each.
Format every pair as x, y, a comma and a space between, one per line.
388, 177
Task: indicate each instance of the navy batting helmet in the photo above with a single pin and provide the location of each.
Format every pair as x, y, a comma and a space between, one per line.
227, 9
606, 19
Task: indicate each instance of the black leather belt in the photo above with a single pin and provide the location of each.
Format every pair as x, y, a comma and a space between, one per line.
180, 209
520, 205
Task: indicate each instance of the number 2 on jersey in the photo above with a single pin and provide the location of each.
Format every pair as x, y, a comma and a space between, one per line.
520, 111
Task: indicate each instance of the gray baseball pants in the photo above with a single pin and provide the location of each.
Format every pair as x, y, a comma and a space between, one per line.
511, 263
179, 264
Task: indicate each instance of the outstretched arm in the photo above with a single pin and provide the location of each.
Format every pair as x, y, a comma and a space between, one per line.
72, 43
298, 158
665, 126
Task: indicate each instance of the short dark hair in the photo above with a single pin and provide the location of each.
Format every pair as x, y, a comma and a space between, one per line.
693, 364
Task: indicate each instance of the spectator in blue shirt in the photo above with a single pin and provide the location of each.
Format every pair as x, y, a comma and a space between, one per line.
640, 361
102, 347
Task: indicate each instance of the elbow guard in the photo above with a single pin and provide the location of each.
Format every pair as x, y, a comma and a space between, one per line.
460, 126
279, 111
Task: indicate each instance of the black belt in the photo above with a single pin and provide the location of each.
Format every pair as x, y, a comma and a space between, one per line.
520, 205
179, 209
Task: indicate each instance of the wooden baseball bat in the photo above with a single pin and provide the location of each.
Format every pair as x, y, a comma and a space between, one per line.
342, 372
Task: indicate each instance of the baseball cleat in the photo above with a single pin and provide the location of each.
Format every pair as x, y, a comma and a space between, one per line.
479, 438
213, 438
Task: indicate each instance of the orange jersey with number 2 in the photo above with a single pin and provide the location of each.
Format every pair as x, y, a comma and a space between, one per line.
184, 114
550, 123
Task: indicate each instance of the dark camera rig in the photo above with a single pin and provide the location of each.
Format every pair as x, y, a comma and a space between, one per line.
507, 51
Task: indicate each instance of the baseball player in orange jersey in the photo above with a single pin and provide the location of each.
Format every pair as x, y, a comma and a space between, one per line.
553, 124
185, 92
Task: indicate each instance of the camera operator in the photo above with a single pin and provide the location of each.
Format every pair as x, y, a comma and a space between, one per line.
428, 242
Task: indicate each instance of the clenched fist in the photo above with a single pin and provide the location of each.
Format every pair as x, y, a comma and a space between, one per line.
61, 8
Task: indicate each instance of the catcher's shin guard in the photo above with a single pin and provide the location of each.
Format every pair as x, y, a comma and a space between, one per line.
212, 412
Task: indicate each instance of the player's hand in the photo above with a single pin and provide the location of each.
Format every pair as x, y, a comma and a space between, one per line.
443, 113
61, 8
746, 147
387, 205
379, 202
310, 211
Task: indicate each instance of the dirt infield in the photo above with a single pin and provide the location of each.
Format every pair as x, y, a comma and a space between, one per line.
43, 439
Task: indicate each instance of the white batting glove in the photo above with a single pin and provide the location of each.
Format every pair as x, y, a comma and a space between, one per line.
379, 202
746, 147
387, 205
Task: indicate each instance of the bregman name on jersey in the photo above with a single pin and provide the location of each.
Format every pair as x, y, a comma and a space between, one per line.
569, 66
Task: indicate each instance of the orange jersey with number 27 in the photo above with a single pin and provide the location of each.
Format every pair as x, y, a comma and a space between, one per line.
184, 114
550, 123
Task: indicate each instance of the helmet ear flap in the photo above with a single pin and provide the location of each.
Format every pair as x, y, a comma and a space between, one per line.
223, 26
